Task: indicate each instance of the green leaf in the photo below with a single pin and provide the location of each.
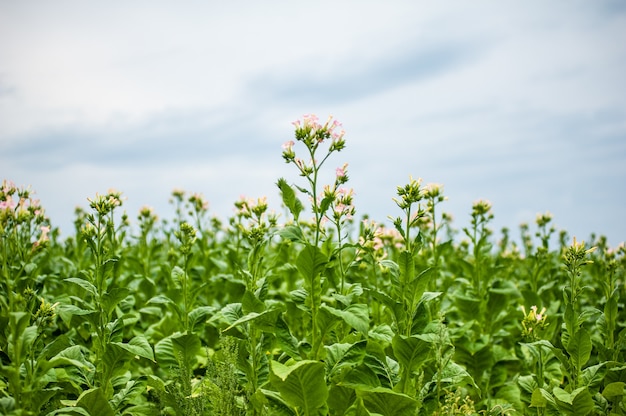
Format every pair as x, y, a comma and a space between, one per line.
357, 409
113, 297
340, 398
85, 284
178, 275
264, 320
579, 348
614, 389
537, 399
411, 352
132, 389
95, 403
250, 303
311, 262
69, 356
178, 349
292, 233
381, 333
138, 346
289, 198
302, 385
387, 402
199, 315
356, 315
342, 357
406, 265
593, 375
287, 342
276, 404
577, 403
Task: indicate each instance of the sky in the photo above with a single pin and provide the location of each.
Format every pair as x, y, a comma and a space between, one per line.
521, 103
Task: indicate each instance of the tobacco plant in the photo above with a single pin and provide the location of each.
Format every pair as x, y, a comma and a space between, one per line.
307, 312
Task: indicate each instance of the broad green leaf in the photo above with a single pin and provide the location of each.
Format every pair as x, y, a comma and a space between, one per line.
138, 346
161, 300
579, 348
411, 352
292, 233
342, 357
112, 298
178, 349
537, 399
614, 389
67, 311
132, 389
593, 375
454, 374
95, 403
302, 385
264, 320
69, 356
199, 315
577, 403
357, 409
340, 398
276, 404
178, 275
85, 284
250, 303
311, 262
381, 333
387, 402
114, 360
356, 315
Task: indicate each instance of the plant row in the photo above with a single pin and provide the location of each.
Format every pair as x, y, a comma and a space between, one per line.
306, 313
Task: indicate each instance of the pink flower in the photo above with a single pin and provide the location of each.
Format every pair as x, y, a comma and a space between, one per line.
341, 172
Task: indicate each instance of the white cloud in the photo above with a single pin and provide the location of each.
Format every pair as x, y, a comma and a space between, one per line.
485, 97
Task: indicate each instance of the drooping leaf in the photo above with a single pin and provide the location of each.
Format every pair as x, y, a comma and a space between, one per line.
289, 198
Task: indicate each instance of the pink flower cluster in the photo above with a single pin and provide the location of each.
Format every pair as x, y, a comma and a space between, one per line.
312, 133
20, 211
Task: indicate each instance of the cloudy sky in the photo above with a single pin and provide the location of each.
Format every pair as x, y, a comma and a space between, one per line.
522, 103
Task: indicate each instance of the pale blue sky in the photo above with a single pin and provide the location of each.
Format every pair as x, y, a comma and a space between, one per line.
521, 103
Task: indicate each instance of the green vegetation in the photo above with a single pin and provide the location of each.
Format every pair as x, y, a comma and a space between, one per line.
316, 314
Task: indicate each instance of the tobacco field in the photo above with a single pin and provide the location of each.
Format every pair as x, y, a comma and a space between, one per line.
306, 309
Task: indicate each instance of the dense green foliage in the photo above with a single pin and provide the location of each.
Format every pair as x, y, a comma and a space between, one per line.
315, 316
